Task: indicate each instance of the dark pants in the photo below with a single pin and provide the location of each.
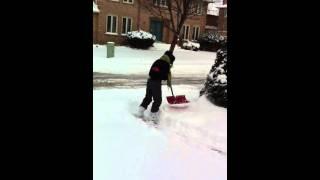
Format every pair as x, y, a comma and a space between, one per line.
153, 91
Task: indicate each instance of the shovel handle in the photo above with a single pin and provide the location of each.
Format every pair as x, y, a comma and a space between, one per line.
171, 91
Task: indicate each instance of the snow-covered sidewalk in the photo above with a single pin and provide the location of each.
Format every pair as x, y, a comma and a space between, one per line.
184, 148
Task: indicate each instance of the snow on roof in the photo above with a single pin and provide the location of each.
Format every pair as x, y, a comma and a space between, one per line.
212, 10
95, 8
218, 2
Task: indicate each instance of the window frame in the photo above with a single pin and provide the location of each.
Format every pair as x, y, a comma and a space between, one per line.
111, 27
194, 29
184, 31
126, 25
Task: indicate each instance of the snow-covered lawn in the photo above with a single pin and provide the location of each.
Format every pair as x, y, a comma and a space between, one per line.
135, 61
191, 143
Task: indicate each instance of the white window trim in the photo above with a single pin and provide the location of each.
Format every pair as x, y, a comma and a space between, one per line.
193, 32
127, 17
185, 30
127, 2
112, 33
116, 0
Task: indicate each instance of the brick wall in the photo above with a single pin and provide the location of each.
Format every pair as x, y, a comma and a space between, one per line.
95, 28
120, 9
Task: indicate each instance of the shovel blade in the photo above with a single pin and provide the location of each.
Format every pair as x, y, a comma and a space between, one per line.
180, 99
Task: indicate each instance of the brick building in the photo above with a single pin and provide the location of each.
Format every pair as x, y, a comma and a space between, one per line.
115, 18
217, 18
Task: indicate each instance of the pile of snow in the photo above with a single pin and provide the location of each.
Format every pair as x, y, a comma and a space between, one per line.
95, 8
140, 35
130, 61
190, 144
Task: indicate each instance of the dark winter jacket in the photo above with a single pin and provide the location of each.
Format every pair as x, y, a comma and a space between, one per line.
160, 69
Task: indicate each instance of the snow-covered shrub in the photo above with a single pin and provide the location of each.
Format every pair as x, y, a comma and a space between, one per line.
140, 39
211, 41
215, 87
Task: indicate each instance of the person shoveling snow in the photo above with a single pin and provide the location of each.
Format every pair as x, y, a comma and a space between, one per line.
159, 71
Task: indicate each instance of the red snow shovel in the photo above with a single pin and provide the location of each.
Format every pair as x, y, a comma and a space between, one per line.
180, 99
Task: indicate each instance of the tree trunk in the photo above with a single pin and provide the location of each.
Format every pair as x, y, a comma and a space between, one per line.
173, 43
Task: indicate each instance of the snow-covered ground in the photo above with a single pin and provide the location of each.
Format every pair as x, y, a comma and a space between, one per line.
135, 61
191, 142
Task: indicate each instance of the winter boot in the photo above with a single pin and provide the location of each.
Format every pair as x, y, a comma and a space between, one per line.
140, 112
154, 117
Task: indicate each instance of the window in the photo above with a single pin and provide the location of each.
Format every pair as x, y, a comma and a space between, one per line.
196, 8
128, 1
126, 25
199, 9
161, 3
225, 12
112, 23
195, 32
185, 31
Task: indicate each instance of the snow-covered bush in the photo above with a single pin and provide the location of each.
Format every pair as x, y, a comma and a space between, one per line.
211, 41
190, 45
140, 39
215, 87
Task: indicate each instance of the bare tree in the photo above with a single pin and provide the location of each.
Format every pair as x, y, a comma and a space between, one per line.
173, 13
